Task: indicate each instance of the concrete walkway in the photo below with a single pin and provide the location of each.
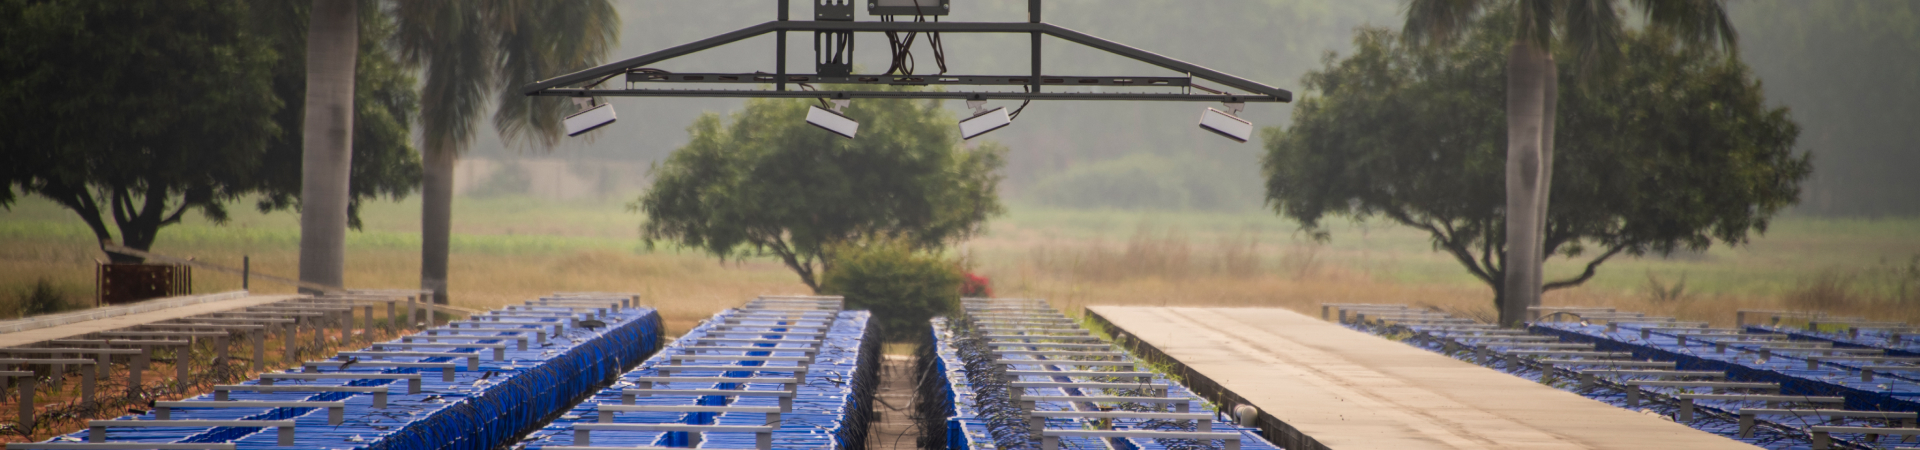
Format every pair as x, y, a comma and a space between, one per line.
1353, 391
892, 428
20, 338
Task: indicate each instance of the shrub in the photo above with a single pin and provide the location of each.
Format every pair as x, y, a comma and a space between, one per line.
904, 288
42, 298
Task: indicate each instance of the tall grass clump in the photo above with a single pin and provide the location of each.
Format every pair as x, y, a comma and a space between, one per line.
1826, 290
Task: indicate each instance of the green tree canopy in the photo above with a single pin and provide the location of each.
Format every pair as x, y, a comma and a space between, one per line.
132, 113
766, 182
1674, 149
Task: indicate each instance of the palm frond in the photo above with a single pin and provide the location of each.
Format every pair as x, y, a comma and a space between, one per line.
542, 39
1592, 30
1438, 21
1696, 22
1534, 20
451, 39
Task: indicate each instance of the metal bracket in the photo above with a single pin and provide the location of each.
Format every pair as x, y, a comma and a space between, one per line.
978, 106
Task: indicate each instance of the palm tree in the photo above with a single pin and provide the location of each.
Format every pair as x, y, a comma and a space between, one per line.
1590, 28
333, 45
471, 48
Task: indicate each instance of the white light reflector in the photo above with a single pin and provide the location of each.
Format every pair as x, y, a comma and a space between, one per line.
584, 121
832, 121
1227, 125
988, 121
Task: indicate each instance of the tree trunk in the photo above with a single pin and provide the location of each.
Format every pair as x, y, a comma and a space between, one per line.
327, 146
1550, 99
436, 220
1525, 98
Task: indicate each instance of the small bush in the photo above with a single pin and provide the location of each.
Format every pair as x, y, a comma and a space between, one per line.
902, 287
42, 298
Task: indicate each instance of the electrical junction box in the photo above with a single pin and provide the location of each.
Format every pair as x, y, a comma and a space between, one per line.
834, 10
908, 7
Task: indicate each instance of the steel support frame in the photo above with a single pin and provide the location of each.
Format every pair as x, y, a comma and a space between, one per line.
1255, 91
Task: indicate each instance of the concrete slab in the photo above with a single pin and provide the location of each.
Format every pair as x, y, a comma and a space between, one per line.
1352, 391
22, 338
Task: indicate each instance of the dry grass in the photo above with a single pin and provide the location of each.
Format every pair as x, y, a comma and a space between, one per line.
1163, 267
507, 250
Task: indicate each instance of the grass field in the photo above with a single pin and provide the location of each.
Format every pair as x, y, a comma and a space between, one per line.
509, 249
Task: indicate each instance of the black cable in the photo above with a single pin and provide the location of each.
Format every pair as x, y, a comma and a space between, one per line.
1023, 105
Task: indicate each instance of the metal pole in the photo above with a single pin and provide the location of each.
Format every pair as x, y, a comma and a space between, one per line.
27, 391
246, 270
259, 349
1033, 15
780, 52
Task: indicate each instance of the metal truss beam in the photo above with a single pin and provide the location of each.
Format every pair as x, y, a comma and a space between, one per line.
755, 93
1256, 91
908, 80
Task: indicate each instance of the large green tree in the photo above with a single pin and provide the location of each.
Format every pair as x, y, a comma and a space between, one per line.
1674, 150
766, 183
132, 113
1591, 28
473, 50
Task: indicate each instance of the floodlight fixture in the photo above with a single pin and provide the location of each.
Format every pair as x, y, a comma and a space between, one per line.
983, 120
832, 120
1226, 123
589, 118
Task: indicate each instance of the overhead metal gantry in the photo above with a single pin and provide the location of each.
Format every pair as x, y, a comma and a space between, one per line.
833, 28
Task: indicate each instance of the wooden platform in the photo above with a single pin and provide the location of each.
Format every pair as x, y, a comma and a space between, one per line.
21, 338
1350, 390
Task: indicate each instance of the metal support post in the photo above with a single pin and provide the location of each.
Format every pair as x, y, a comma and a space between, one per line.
1033, 15
319, 327
86, 385
136, 367
259, 349
182, 360
780, 52
346, 326
289, 334
220, 347
27, 392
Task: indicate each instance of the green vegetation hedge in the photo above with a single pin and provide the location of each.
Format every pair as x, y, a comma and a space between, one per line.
902, 287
